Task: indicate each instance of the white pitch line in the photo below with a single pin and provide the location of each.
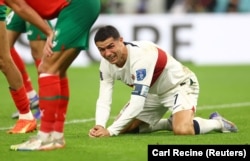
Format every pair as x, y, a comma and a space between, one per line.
205, 107
80, 121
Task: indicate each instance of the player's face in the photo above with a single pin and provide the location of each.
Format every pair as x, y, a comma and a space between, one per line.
111, 50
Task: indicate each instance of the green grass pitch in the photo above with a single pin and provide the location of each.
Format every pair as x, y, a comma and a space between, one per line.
225, 89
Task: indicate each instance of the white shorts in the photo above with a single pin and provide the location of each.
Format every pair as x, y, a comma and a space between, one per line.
183, 97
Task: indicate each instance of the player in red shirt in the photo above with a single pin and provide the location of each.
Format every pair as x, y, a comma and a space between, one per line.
71, 33
26, 122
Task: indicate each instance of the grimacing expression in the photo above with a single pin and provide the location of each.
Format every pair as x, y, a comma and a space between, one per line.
110, 49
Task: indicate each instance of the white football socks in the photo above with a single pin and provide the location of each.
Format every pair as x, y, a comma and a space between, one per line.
208, 125
27, 116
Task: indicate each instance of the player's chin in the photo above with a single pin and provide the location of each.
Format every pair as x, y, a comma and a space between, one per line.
112, 62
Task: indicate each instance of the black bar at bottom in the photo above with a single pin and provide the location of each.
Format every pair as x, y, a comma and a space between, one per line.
198, 152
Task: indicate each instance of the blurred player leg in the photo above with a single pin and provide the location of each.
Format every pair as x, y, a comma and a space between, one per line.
26, 122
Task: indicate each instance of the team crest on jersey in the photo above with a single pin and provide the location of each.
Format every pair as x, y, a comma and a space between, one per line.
140, 74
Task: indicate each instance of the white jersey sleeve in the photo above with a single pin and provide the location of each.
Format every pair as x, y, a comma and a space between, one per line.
104, 101
130, 112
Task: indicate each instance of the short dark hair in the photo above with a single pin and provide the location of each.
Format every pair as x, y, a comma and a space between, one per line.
106, 32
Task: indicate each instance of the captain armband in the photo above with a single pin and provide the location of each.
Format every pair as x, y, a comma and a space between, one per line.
140, 90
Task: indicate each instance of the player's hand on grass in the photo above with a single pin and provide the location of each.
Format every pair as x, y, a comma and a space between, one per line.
98, 131
92, 132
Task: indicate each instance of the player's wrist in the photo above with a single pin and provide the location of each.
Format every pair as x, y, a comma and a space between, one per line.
99, 126
112, 132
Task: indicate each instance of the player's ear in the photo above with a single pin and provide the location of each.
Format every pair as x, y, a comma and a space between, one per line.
121, 39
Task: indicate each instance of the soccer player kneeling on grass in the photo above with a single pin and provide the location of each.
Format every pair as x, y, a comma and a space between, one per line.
160, 83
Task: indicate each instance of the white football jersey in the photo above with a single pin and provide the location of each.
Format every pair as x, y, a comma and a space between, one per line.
148, 69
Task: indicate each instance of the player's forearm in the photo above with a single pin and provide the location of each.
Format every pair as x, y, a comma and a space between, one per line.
103, 104
127, 115
102, 115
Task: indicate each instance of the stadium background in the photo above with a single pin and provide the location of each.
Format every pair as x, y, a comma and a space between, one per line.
216, 35
198, 31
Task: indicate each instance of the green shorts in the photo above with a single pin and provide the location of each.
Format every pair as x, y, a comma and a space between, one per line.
74, 23
16, 23
2, 12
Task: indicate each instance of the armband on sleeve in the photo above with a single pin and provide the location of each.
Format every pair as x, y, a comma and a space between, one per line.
140, 90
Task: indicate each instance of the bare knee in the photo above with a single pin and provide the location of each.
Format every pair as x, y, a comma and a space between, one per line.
186, 129
45, 68
183, 123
